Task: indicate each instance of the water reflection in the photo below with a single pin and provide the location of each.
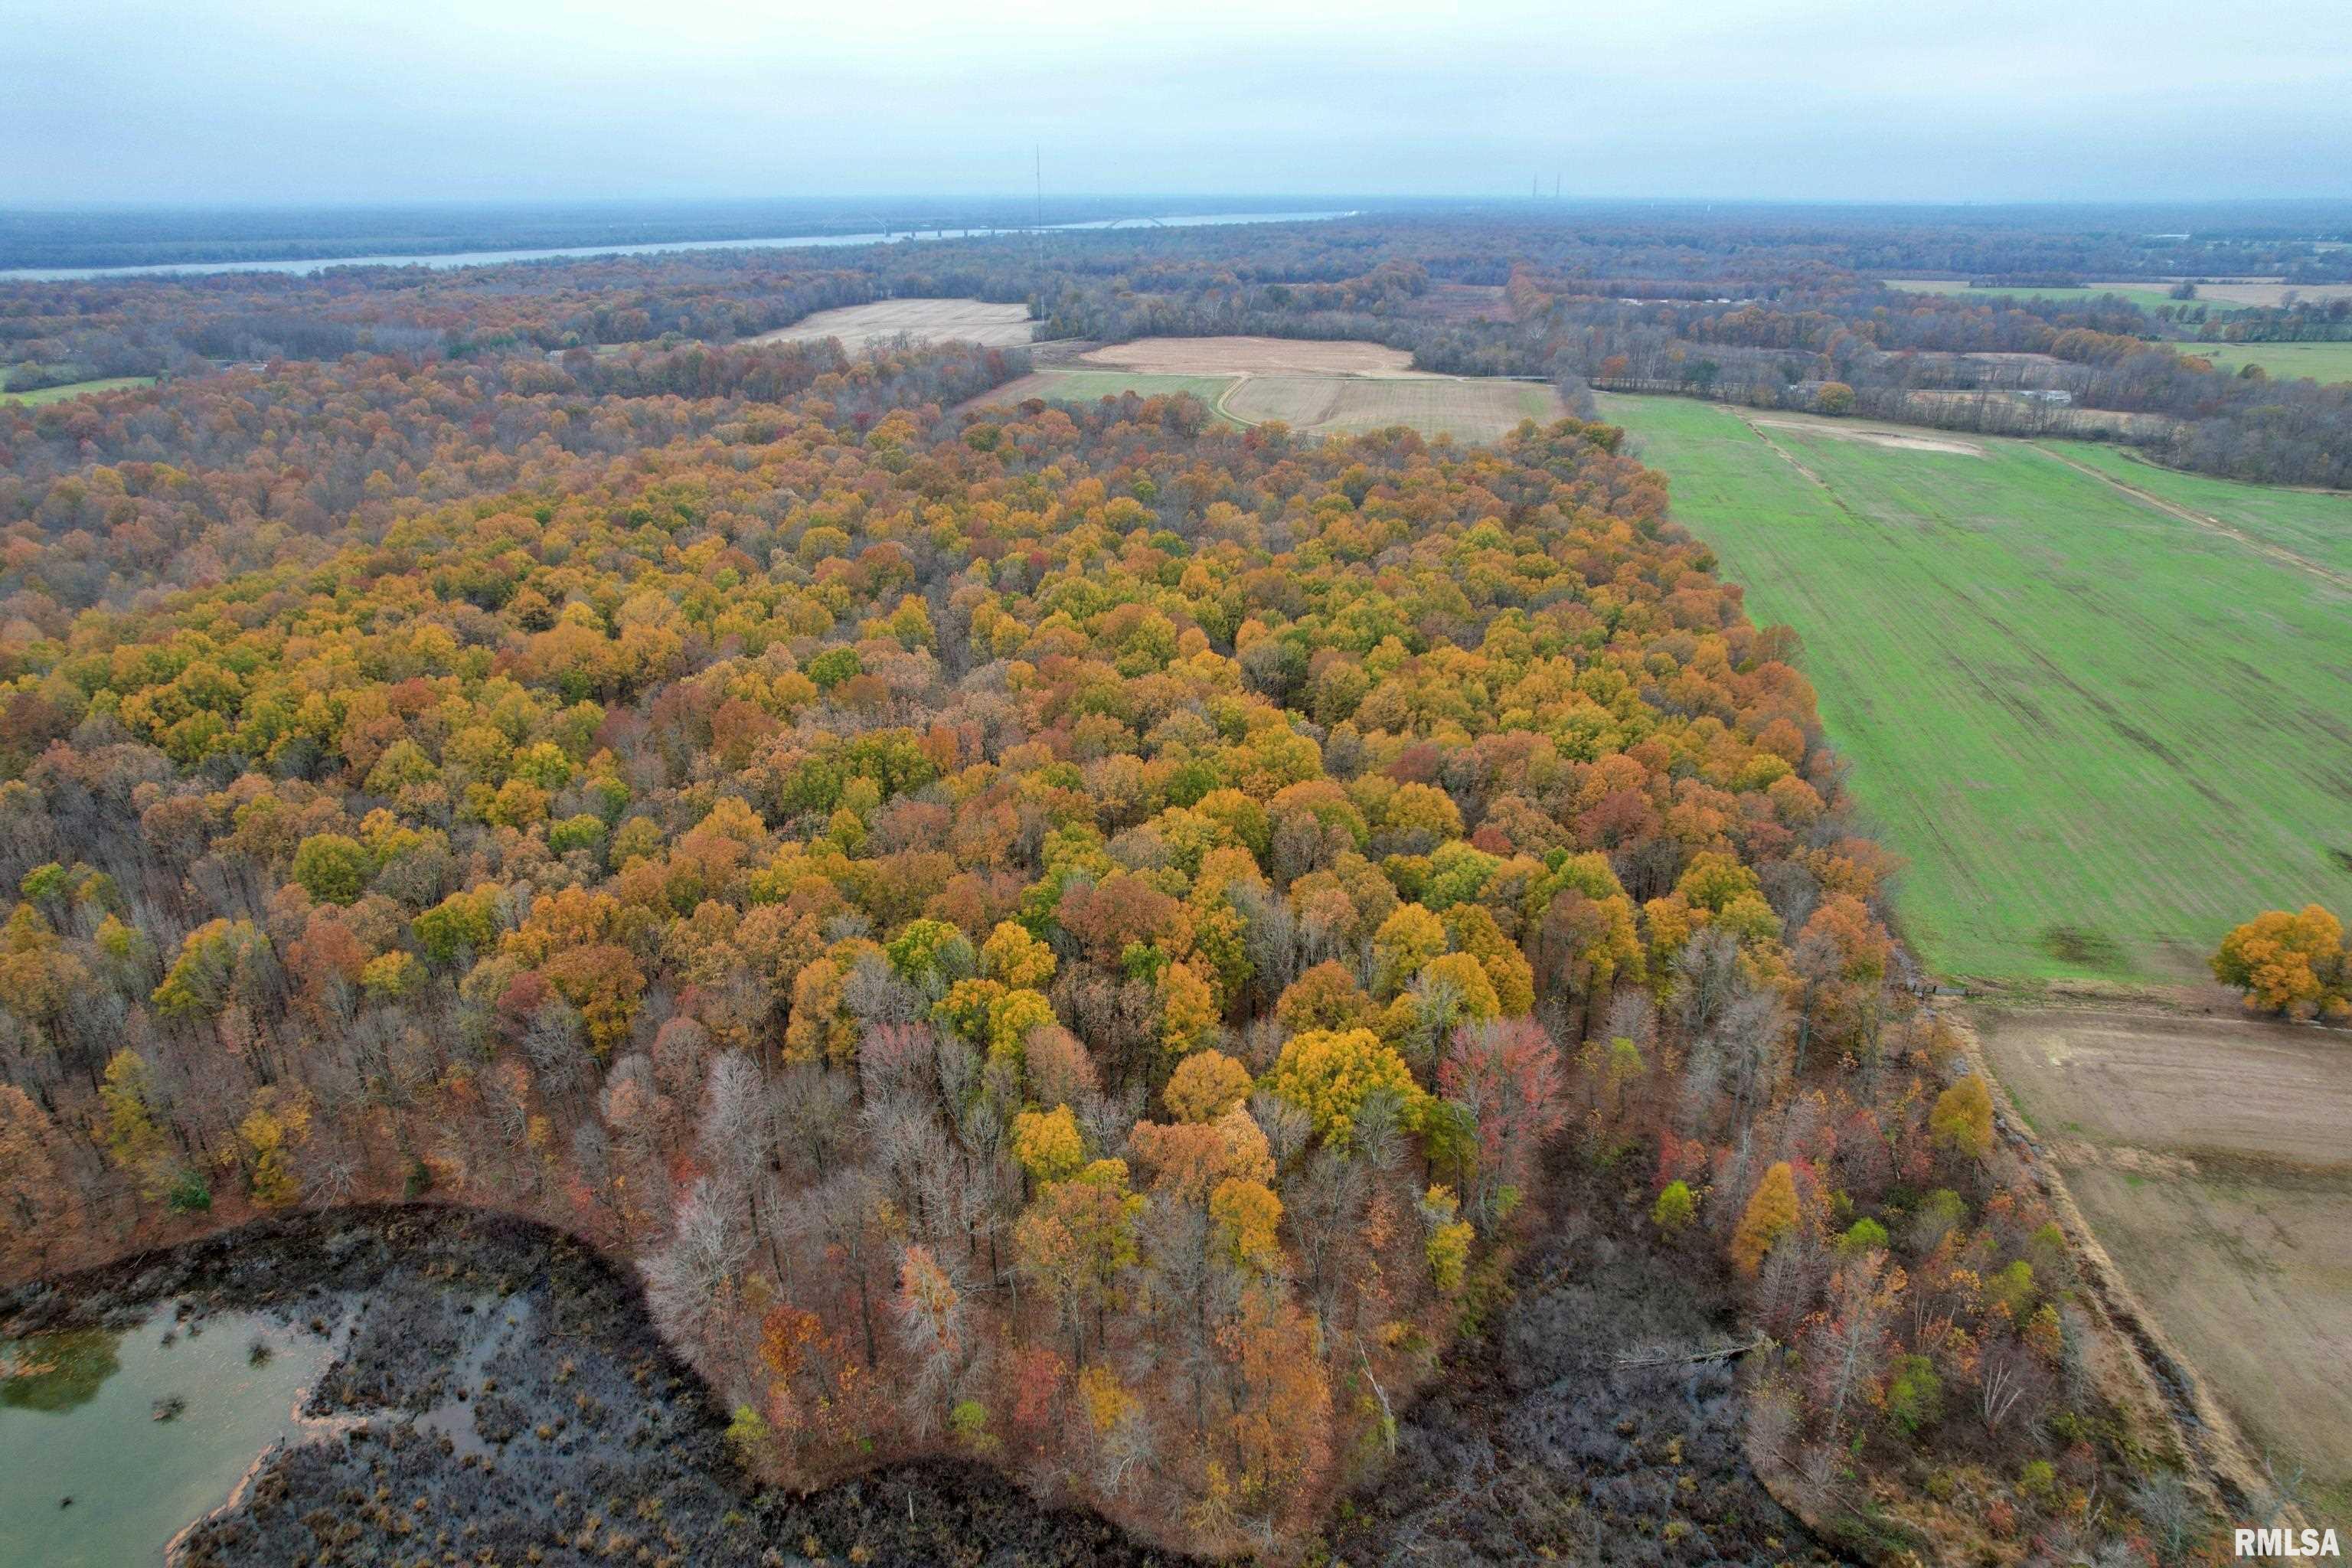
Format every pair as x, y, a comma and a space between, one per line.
56, 1373
111, 1443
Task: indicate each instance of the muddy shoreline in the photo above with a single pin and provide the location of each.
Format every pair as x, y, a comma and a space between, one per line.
500, 1389
583, 1436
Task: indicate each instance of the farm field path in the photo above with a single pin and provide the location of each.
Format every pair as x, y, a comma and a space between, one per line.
2098, 733
2314, 524
2278, 553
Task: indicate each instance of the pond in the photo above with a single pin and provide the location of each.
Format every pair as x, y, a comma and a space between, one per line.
78, 1420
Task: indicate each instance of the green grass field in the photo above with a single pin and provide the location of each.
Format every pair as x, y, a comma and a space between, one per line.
2315, 525
2099, 732
75, 389
2146, 295
2285, 362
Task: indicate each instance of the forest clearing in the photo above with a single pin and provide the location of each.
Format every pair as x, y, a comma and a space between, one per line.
1324, 388
2208, 1153
2095, 744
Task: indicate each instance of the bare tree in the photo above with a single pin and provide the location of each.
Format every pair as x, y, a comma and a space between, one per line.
734, 1143
690, 1281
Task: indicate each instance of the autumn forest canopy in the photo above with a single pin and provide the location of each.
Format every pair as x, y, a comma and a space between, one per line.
1077, 938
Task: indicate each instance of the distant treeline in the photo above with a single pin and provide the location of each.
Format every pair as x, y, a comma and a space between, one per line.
1761, 300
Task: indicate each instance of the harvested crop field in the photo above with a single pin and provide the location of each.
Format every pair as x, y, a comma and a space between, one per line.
2099, 714
927, 320
1467, 408
2270, 294
1250, 356
1337, 388
2209, 1155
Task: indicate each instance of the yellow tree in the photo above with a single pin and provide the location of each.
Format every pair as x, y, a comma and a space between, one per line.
1771, 1213
1206, 1084
2288, 964
1330, 1074
1048, 1144
1961, 1119
1188, 1010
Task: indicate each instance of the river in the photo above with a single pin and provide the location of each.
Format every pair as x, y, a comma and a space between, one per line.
498, 257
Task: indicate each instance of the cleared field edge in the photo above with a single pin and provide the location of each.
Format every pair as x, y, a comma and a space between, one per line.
2170, 1389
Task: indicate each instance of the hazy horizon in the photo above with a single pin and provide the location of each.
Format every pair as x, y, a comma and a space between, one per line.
274, 104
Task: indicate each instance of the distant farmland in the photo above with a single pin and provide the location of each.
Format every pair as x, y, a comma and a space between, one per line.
2099, 706
929, 320
2282, 362
1470, 410
2146, 295
76, 389
1316, 388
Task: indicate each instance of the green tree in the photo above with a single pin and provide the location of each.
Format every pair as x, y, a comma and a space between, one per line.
333, 868
1674, 1209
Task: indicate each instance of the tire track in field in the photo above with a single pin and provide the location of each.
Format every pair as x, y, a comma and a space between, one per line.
1224, 397
2211, 524
1791, 459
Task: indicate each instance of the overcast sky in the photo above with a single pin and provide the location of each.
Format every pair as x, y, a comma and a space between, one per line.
330, 101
